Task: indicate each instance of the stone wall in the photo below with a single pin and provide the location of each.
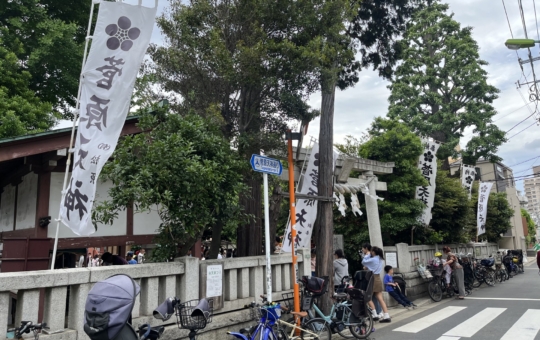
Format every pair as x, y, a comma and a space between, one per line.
243, 281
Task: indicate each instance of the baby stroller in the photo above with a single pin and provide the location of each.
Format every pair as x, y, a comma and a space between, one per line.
108, 311
361, 292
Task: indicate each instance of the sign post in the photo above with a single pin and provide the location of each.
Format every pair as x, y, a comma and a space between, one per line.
273, 167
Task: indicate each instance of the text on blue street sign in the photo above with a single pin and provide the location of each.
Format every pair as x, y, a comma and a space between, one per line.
267, 165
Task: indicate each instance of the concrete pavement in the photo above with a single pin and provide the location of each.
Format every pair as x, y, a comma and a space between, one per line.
507, 311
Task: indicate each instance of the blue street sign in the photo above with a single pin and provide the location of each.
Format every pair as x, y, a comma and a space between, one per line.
266, 165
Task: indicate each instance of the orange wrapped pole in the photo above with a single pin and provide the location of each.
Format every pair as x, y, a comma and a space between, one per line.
292, 202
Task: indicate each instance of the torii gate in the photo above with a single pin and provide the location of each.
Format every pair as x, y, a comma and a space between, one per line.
344, 166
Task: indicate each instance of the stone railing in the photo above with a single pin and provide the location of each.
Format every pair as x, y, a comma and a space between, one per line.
65, 292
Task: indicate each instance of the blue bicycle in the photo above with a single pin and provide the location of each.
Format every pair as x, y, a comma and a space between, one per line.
267, 315
270, 327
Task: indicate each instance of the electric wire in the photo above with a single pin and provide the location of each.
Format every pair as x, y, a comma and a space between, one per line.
534, 123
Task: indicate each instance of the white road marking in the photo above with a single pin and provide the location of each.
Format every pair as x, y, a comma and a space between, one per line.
471, 326
444, 337
501, 299
526, 327
430, 320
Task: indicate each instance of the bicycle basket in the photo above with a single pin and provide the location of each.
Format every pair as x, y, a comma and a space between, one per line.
288, 301
316, 286
195, 314
271, 313
436, 270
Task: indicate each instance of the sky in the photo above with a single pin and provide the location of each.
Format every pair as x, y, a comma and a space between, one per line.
355, 108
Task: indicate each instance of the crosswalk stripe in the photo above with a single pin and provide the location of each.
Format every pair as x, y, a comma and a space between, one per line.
526, 327
430, 320
469, 327
444, 337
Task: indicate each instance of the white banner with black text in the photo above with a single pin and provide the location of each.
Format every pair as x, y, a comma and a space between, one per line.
120, 40
427, 163
306, 209
468, 172
483, 196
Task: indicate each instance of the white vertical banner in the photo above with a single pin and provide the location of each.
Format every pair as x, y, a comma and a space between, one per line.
120, 40
306, 209
427, 163
483, 196
468, 172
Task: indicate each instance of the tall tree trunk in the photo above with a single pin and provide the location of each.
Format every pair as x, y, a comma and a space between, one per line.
249, 236
324, 223
275, 210
249, 240
216, 239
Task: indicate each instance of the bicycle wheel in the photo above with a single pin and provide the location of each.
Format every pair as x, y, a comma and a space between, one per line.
489, 279
363, 329
342, 316
317, 329
478, 280
435, 291
498, 276
281, 335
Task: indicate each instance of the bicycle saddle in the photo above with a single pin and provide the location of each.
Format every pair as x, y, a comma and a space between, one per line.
300, 314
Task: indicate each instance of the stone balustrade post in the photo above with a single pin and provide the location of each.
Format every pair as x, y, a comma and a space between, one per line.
304, 267
404, 257
55, 307
27, 306
77, 301
188, 285
4, 313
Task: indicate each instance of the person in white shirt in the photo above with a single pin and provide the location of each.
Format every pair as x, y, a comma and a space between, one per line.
140, 257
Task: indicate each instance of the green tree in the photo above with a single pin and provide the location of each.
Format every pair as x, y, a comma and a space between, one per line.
389, 141
47, 39
531, 227
21, 111
183, 166
441, 88
256, 63
451, 211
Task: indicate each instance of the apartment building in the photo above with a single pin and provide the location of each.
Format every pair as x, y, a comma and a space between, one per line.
503, 178
532, 192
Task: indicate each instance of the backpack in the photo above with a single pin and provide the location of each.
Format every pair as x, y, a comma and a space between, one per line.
108, 309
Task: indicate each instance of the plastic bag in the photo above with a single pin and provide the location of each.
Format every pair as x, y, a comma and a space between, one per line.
525, 260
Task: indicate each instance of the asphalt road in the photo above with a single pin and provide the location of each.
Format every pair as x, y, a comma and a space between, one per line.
507, 311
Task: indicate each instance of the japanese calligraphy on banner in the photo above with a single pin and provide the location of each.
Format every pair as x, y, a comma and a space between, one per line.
483, 196
427, 163
120, 40
468, 172
306, 209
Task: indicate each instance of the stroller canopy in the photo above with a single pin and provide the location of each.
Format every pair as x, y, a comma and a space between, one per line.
109, 305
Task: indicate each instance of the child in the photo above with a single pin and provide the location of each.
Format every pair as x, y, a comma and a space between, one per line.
393, 289
447, 268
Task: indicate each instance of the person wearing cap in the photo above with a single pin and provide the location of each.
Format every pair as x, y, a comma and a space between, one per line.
129, 258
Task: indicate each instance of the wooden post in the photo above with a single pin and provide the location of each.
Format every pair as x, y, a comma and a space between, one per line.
292, 203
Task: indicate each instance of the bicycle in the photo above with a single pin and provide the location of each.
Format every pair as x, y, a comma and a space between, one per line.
340, 317
437, 285
27, 327
192, 315
270, 327
482, 274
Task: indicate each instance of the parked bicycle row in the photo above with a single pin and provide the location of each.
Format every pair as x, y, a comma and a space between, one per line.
471, 271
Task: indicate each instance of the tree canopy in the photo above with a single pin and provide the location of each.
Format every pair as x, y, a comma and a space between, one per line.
21, 111
184, 168
47, 39
531, 227
441, 88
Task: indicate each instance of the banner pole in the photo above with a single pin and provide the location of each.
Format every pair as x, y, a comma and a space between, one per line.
75, 117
